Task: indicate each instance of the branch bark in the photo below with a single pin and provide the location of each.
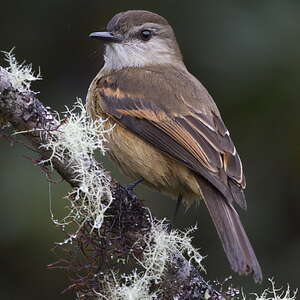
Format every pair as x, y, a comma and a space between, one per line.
129, 218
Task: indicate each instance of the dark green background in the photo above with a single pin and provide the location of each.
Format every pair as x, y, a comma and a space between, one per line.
247, 53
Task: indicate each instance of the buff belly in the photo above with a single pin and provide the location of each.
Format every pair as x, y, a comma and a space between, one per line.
137, 158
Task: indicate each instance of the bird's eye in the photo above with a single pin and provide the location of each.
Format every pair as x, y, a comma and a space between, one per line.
146, 35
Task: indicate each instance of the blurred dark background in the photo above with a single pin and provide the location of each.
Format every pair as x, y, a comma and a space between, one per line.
247, 53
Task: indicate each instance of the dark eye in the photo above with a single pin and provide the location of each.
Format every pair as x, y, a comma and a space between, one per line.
146, 35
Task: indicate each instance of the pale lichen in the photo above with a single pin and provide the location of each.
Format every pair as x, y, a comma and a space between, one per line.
274, 293
161, 247
162, 244
20, 75
75, 142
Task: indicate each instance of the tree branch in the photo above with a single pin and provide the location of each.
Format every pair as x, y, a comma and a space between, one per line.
94, 253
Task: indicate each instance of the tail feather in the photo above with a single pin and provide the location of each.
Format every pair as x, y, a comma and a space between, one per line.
235, 242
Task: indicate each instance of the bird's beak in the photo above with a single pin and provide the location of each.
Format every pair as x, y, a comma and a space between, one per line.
107, 37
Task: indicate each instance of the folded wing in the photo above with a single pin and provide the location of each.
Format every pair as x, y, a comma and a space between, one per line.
199, 141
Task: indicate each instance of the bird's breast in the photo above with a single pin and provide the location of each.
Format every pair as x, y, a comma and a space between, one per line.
137, 158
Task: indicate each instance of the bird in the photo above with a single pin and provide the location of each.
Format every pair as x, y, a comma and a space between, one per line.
166, 128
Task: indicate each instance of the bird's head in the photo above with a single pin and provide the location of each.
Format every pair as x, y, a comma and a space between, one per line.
138, 38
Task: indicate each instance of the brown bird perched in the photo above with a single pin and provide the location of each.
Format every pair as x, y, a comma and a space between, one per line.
167, 128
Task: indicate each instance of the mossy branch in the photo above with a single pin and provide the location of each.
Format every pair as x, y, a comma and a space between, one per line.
121, 236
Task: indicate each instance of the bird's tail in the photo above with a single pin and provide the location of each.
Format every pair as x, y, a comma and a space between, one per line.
234, 239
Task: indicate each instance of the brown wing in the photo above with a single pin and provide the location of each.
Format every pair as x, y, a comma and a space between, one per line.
198, 140
173, 112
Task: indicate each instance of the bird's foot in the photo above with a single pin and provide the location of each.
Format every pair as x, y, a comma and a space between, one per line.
130, 187
178, 204
133, 184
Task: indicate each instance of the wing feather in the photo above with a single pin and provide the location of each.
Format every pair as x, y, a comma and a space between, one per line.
200, 141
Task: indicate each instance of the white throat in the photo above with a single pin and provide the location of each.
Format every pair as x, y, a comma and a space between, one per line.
138, 54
